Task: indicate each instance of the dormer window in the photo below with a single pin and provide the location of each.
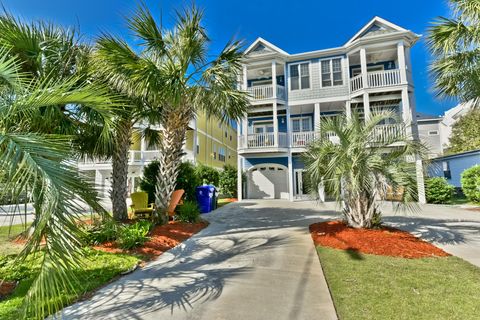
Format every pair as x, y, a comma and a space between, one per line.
300, 76
331, 72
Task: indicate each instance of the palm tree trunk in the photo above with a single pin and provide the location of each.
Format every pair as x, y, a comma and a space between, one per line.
170, 158
120, 170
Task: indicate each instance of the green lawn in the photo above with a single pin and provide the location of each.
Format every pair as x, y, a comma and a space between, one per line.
100, 268
6, 235
377, 287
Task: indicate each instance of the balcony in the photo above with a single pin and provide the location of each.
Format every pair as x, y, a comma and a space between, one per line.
263, 141
302, 139
134, 157
376, 79
265, 92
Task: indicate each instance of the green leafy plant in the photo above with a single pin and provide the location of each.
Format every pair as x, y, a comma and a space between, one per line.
208, 174
228, 181
149, 180
134, 235
437, 190
471, 183
101, 231
188, 180
188, 212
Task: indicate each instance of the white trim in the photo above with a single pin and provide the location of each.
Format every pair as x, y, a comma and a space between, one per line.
267, 44
318, 100
372, 22
331, 71
300, 89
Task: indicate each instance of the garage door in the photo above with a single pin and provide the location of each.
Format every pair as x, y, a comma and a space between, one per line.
268, 181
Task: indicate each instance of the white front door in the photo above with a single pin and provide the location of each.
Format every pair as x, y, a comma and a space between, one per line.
301, 185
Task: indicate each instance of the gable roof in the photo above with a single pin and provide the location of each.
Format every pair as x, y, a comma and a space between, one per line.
263, 46
374, 27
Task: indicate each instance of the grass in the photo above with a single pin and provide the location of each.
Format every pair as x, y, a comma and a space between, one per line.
99, 268
7, 234
222, 202
378, 287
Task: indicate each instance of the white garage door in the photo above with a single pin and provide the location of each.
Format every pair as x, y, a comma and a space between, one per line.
267, 181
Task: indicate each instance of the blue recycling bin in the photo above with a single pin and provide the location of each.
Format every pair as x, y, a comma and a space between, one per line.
205, 196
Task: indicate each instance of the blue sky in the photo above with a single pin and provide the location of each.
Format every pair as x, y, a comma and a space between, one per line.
294, 26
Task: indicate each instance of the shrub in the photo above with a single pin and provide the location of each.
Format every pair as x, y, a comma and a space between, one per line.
208, 174
438, 190
188, 212
149, 179
471, 183
101, 231
228, 181
188, 180
134, 235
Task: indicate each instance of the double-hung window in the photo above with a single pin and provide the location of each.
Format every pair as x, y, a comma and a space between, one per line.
300, 76
331, 72
303, 124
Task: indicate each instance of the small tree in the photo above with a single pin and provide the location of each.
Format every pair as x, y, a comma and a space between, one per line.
208, 175
466, 133
228, 181
438, 190
471, 183
149, 180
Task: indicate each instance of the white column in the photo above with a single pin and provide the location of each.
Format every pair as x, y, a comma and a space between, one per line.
401, 62
366, 106
406, 111
289, 129
239, 177
348, 109
143, 148
245, 82
420, 181
290, 176
363, 65
275, 124
316, 117
274, 78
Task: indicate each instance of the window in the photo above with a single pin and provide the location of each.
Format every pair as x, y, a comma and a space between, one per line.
221, 154
331, 72
446, 170
300, 76
198, 149
433, 133
301, 124
214, 152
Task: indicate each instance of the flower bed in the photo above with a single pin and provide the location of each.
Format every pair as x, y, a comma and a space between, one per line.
385, 241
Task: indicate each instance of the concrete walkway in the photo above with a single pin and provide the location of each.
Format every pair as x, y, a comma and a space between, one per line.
256, 260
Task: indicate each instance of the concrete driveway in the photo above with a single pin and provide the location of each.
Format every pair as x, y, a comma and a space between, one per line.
256, 260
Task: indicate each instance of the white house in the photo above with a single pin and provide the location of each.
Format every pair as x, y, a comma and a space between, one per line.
291, 93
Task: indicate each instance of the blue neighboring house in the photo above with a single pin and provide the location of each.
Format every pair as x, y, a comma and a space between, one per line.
451, 167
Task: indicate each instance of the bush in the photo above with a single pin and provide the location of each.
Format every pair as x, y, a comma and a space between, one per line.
208, 174
101, 231
228, 181
438, 190
134, 235
188, 212
149, 180
471, 183
188, 180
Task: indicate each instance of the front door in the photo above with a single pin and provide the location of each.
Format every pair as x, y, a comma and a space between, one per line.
264, 134
302, 185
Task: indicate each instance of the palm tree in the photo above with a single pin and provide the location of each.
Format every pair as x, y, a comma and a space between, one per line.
361, 163
44, 163
173, 77
455, 44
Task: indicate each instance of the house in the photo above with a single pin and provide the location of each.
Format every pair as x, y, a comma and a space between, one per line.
291, 93
208, 141
431, 132
451, 166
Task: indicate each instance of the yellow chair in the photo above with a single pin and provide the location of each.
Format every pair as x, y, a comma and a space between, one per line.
140, 207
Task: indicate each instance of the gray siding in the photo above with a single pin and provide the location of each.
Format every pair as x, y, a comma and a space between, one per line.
433, 142
316, 91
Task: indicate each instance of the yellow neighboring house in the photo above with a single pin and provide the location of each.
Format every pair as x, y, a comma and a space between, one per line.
216, 145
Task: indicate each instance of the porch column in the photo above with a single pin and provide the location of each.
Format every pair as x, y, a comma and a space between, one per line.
275, 124
194, 143
290, 176
143, 147
406, 111
289, 129
239, 177
401, 62
366, 106
316, 116
245, 82
348, 109
420, 180
363, 65
274, 79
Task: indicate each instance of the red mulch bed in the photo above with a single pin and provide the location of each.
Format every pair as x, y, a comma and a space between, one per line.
385, 241
162, 238
6, 288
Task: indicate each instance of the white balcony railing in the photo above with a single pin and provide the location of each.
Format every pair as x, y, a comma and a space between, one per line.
265, 92
262, 140
376, 79
302, 139
387, 132
133, 157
